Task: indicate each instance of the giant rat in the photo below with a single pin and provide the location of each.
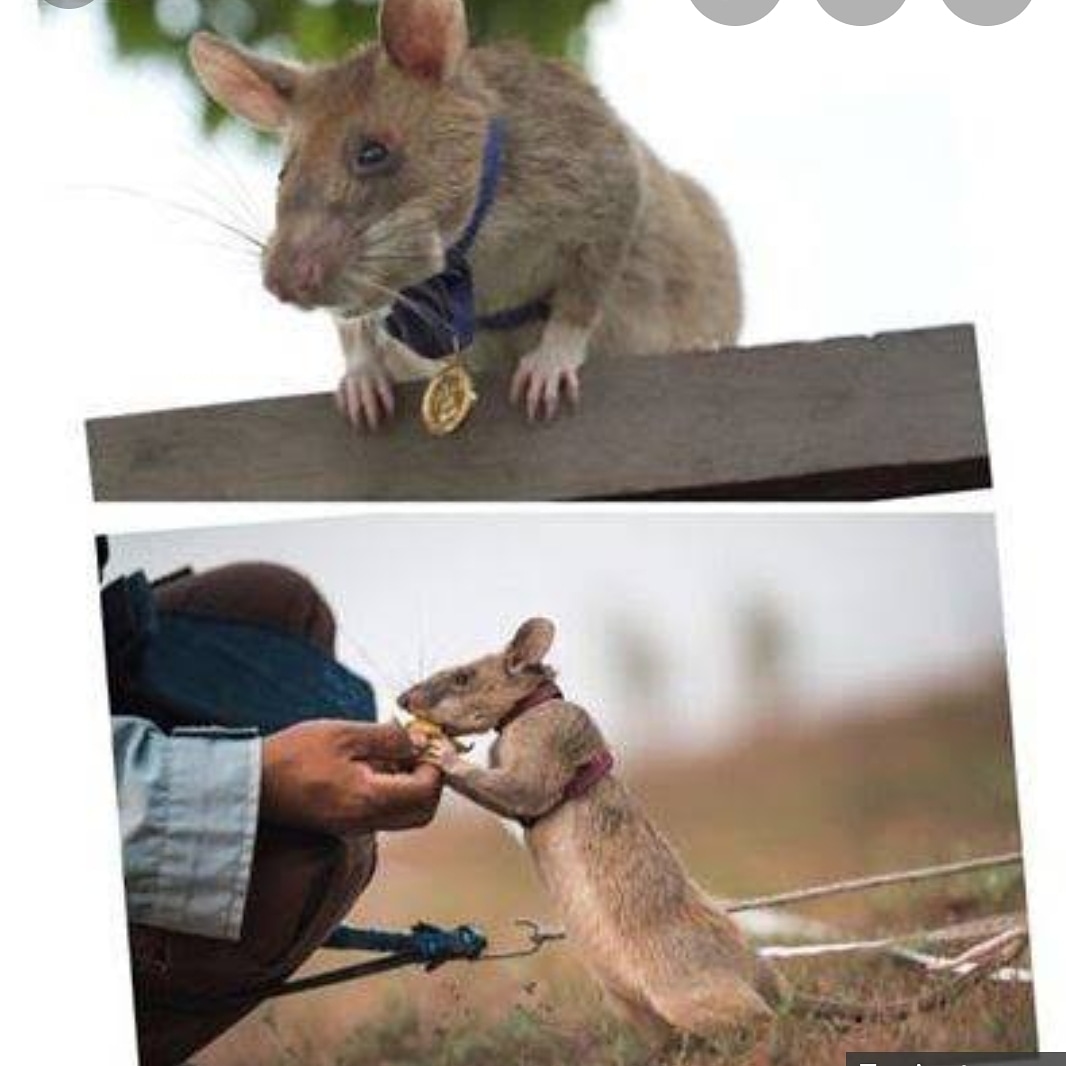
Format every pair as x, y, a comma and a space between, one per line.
437, 196
672, 961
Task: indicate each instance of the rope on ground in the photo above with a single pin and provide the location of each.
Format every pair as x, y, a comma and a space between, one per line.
993, 926
864, 884
1002, 935
1008, 975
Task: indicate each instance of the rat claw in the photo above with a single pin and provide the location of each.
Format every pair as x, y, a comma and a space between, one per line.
572, 386
520, 382
351, 403
365, 397
543, 382
533, 397
551, 397
388, 401
368, 395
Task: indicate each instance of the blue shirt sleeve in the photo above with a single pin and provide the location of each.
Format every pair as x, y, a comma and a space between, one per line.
188, 809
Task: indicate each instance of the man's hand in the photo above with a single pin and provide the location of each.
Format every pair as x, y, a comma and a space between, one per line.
345, 777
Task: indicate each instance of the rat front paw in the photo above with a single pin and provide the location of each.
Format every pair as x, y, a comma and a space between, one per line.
365, 397
542, 379
442, 753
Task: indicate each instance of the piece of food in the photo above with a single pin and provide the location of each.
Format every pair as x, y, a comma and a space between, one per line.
422, 732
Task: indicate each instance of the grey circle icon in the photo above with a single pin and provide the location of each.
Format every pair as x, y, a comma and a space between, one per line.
862, 12
734, 12
987, 12
68, 5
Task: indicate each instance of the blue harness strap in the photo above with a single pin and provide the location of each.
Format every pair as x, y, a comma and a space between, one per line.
437, 317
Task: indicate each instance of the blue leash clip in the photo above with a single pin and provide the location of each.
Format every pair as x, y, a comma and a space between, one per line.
427, 944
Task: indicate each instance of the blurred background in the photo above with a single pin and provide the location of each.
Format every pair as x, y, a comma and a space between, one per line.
795, 698
674, 631
837, 165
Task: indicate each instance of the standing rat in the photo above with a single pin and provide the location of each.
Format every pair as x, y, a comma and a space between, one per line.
672, 961
437, 197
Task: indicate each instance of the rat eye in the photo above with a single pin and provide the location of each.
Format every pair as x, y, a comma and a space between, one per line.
462, 678
371, 154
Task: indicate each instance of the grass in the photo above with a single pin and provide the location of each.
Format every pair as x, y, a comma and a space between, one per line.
923, 779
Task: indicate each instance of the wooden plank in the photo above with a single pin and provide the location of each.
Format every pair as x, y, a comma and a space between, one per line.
852, 418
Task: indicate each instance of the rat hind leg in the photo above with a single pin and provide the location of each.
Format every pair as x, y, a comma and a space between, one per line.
725, 1017
645, 1024
695, 1052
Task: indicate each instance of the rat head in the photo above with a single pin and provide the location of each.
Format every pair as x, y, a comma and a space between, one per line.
383, 154
478, 696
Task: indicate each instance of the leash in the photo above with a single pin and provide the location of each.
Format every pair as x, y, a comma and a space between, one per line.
428, 946
425, 945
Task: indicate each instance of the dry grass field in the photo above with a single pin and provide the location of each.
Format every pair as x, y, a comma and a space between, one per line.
924, 778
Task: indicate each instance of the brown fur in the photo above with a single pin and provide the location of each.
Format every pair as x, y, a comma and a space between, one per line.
673, 963
635, 258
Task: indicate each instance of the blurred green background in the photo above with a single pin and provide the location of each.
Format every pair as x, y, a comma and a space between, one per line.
322, 29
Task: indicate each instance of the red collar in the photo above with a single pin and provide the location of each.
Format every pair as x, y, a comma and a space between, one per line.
587, 776
545, 692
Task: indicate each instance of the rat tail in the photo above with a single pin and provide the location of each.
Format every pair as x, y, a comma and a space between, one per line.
846, 1013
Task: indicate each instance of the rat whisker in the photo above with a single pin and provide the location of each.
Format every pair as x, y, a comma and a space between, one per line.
235, 217
430, 318
244, 197
375, 259
185, 114
238, 208
188, 209
247, 257
363, 654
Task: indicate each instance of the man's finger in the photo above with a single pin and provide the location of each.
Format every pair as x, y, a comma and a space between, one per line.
402, 794
382, 743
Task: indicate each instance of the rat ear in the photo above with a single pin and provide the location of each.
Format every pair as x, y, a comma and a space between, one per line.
427, 38
257, 90
529, 645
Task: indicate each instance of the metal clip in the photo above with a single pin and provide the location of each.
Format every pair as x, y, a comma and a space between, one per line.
537, 937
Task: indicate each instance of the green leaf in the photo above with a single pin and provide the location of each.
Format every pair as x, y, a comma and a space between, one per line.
321, 31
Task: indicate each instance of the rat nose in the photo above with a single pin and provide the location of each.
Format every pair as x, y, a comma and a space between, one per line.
405, 700
297, 277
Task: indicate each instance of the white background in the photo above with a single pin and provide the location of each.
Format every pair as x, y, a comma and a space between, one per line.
63, 934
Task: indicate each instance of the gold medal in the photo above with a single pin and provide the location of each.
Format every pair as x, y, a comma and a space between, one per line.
448, 400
